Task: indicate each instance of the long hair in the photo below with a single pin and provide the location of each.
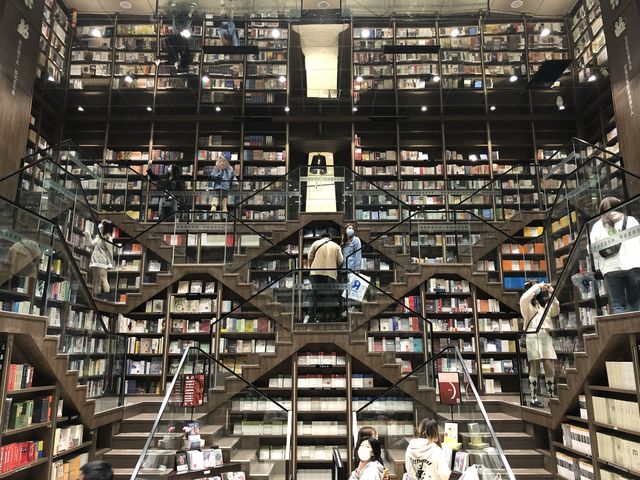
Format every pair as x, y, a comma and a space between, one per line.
376, 449
222, 163
346, 239
428, 429
608, 203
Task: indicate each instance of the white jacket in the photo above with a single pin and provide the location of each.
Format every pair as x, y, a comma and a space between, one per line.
629, 255
425, 460
371, 471
532, 314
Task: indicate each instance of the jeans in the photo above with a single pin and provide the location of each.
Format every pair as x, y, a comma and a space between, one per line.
624, 290
325, 302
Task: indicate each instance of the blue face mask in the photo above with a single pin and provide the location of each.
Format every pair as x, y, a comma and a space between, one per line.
350, 232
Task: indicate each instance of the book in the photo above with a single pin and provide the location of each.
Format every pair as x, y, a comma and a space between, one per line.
461, 462
195, 459
181, 462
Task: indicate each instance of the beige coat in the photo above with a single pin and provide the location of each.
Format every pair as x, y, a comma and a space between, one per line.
325, 254
533, 314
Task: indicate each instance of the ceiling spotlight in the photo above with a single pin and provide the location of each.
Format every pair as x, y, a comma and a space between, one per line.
365, 33
282, 79
128, 78
592, 78
205, 79
275, 33
436, 78
355, 109
545, 32
218, 109
423, 108
513, 78
359, 79
149, 109
287, 109
455, 32
51, 79
80, 108
96, 33
517, 3
186, 33
126, 5
492, 108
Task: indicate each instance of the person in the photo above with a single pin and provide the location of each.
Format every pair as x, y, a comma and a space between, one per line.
97, 470
351, 251
101, 256
369, 460
325, 257
172, 187
539, 345
424, 458
222, 176
619, 263
363, 433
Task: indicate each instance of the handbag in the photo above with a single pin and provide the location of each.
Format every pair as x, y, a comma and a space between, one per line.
358, 285
613, 250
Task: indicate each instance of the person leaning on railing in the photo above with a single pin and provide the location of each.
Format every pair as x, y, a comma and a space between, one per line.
619, 264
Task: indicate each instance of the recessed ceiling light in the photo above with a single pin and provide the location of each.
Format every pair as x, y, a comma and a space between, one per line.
355, 109
282, 79
186, 33
96, 32
513, 78
492, 108
365, 33
517, 3
436, 78
149, 109
287, 109
455, 32
323, 4
80, 108
359, 79
423, 108
592, 78
128, 78
126, 5
275, 33
545, 32
205, 79
51, 79
218, 108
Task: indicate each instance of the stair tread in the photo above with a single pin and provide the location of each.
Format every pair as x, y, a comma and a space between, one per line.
244, 455
526, 472
150, 417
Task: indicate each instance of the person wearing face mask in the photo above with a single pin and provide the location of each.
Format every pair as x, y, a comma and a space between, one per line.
352, 253
619, 263
101, 256
424, 459
369, 460
539, 345
363, 433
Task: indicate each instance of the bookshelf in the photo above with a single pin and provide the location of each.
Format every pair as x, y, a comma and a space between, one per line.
587, 37
373, 71
52, 57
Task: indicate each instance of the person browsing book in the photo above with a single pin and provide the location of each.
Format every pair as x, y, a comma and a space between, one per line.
424, 458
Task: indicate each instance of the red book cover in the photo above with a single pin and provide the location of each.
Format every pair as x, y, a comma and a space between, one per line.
449, 385
193, 390
12, 376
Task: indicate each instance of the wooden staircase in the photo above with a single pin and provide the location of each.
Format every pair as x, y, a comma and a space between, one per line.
45, 350
611, 332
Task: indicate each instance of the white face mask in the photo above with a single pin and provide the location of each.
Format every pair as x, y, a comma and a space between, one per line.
350, 232
364, 454
100, 227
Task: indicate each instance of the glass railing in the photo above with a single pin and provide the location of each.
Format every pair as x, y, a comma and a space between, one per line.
598, 277
200, 431
42, 275
464, 429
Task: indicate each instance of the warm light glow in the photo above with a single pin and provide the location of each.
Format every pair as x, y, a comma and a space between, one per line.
282, 79
545, 32
359, 79
149, 109
592, 78
455, 32
128, 78
275, 33
492, 108
80, 108
205, 79
513, 78
365, 33
218, 109
96, 33
287, 109
423, 108
51, 79
355, 109
186, 33
561, 107
436, 78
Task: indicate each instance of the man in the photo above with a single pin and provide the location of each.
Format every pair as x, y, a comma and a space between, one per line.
97, 470
325, 257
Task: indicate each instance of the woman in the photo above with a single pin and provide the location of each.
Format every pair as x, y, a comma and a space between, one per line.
369, 460
170, 186
351, 249
539, 345
424, 458
363, 433
619, 263
222, 176
101, 256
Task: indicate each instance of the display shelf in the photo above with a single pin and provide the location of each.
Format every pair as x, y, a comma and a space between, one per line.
372, 70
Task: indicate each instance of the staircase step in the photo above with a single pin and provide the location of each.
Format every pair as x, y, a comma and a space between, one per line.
245, 455
532, 473
516, 440
144, 421
261, 470
524, 458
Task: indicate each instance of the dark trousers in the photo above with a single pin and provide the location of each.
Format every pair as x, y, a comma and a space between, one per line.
624, 290
325, 298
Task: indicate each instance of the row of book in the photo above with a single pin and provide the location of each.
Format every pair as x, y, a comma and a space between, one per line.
196, 286
260, 427
129, 325
259, 404
145, 345
68, 468
18, 454
397, 344
24, 413
66, 438
190, 326
440, 285
619, 413
186, 305
232, 345
448, 305
321, 427
246, 325
396, 324
144, 367
383, 404
20, 376
132, 387
621, 375
619, 451
570, 467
